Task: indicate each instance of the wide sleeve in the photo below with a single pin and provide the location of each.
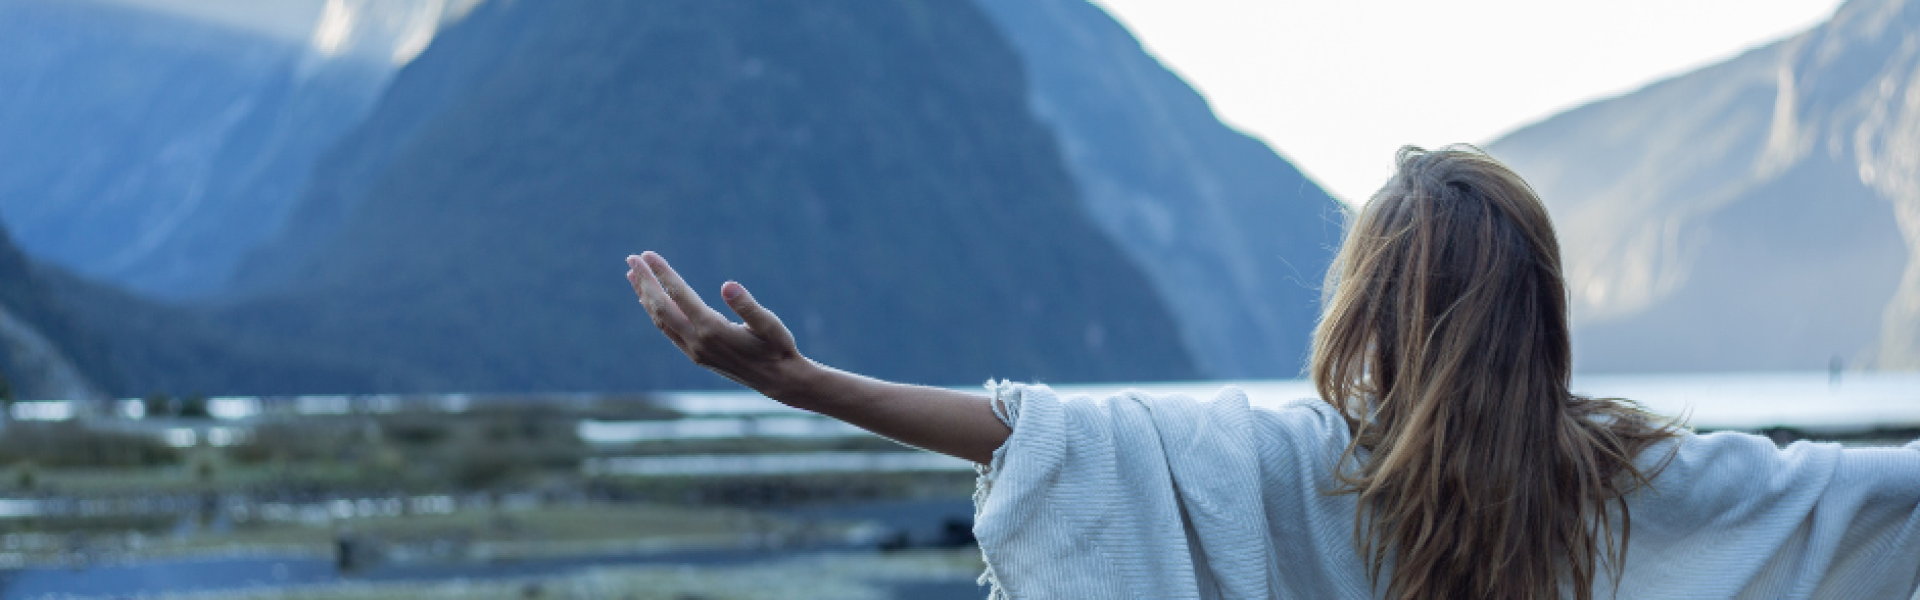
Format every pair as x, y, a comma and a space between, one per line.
1733, 516
1127, 496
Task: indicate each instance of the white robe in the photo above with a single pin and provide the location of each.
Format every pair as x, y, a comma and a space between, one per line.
1137, 496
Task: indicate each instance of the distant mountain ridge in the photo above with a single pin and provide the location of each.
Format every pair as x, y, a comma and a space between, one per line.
154, 151
872, 174
1233, 237
1758, 214
332, 218
37, 345
63, 337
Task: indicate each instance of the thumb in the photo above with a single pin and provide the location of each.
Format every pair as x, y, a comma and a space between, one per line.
761, 321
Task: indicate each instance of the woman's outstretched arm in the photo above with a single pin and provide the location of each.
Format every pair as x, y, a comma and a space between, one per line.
760, 354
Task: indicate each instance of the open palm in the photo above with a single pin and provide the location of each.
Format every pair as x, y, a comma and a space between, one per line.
759, 353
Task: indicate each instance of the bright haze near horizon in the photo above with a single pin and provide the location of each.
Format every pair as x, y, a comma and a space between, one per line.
1336, 87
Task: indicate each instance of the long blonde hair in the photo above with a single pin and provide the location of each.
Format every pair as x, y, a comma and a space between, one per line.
1445, 345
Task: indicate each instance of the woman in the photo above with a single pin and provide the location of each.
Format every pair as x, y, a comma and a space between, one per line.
1445, 457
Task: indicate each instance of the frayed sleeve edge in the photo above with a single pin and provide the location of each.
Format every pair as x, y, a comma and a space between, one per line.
1004, 397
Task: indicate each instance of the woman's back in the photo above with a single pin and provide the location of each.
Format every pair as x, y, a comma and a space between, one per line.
1169, 497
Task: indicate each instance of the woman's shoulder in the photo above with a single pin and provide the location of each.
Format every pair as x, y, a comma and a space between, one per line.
1307, 431
1294, 422
1693, 454
1713, 472
1310, 417
1307, 414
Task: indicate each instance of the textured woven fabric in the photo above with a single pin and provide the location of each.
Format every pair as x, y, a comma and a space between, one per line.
1138, 496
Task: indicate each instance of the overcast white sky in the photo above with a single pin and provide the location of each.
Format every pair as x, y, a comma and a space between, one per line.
1337, 85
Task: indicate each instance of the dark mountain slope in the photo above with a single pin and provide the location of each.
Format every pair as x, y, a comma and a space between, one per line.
870, 171
44, 352
1233, 237
342, 175
1756, 214
65, 337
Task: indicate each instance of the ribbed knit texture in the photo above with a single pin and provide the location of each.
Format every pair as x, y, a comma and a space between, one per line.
1138, 496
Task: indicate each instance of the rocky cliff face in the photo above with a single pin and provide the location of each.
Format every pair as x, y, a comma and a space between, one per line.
872, 172
1757, 214
1233, 238
153, 151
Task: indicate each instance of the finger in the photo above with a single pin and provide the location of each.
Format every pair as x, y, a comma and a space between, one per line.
662, 308
634, 267
676, 288
759, 320
672, 336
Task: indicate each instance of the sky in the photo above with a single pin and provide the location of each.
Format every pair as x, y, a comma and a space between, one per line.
1336, 86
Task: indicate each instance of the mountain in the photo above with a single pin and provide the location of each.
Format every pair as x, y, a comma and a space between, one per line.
153, 150
871, 171
1758, 214
38, 337
1232, 236
62, 336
